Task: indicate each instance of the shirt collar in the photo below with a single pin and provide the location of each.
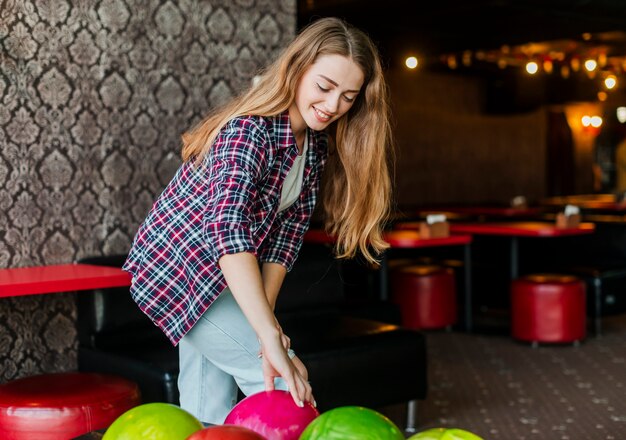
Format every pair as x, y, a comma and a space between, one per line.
284, 134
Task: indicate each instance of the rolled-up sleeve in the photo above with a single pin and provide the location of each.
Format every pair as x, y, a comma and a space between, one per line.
235, 163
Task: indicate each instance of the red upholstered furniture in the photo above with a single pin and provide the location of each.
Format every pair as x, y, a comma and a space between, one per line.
426, 296
63, 405
548, 308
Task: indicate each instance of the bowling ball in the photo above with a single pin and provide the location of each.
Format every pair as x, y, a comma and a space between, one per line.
153, 421
225, 432
445, 434
272, 414
352, 422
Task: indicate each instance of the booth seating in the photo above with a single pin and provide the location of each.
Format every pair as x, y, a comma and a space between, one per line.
606, 282
115, 337
548, 308
350, 360
426, 295
62, 406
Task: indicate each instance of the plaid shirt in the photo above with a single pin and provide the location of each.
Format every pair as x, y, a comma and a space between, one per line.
227, 205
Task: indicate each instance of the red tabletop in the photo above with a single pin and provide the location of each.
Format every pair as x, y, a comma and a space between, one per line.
412, 239
603, 206
60, 278
396, 239
318, 236
521, 229
494, 211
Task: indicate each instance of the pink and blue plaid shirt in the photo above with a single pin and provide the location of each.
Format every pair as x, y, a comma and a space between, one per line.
226, 205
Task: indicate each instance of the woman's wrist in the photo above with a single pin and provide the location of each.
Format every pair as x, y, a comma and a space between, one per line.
272, 333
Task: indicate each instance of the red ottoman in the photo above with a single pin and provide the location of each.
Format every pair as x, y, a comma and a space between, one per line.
63, 405
548, 308
426, 296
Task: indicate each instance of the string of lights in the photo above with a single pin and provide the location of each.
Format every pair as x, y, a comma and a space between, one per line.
600, 57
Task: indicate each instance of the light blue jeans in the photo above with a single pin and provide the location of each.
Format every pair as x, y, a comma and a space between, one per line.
219, 354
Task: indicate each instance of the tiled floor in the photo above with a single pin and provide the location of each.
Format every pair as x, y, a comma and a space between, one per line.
502, 389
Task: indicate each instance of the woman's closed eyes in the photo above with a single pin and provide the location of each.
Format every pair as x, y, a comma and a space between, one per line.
326, 90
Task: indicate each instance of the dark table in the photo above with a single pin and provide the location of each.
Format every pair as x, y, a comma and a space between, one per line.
516, 230
407, 239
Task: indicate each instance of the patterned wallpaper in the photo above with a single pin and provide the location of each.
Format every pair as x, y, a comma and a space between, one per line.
93, 98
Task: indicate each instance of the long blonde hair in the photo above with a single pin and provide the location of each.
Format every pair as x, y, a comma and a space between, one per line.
357, 191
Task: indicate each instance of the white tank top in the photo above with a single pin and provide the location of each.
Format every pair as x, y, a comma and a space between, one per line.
293, 182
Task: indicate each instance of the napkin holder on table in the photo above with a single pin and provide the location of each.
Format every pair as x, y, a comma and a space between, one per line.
435, 226
569, 218
519, 202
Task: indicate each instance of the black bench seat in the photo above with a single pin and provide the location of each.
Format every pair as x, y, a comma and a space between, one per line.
350, 360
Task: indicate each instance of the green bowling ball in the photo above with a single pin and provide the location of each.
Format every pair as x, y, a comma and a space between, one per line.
445, 434
153, 421
351, 423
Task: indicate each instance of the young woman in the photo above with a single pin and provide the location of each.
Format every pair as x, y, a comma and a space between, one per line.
209, 260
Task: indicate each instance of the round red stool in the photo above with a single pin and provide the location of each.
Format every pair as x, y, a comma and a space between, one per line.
548, 308
63, 405
426, 296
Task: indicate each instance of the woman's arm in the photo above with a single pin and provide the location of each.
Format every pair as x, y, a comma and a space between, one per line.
273, 276
244, 279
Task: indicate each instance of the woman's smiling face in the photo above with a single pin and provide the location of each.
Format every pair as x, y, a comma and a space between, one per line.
326, 91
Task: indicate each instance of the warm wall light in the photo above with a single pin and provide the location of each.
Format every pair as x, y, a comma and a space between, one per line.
532, 67
411, 62
596, 121
621, 114
591, 124
591, 65
591, 121
466, 58
602, 96
547, 66
610, 82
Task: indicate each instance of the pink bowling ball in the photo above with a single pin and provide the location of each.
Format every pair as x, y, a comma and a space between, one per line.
273, 414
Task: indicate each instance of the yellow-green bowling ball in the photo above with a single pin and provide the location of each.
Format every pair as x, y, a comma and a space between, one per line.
153, 421
445, 434
352, 423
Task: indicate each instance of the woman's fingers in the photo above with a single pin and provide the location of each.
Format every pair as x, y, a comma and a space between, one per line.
305, 392
300, 367
286, 340
269, 373
277, 363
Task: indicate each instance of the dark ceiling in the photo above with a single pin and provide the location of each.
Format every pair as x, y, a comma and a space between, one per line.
564, 32
442, 26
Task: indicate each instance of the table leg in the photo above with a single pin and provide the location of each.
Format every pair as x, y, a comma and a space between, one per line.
514, 258
467, 256
384, 277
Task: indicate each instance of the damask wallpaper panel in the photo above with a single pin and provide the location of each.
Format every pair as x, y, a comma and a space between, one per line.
94, 96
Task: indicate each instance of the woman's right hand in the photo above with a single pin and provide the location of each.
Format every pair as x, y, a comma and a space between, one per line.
300, 367
276, 363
